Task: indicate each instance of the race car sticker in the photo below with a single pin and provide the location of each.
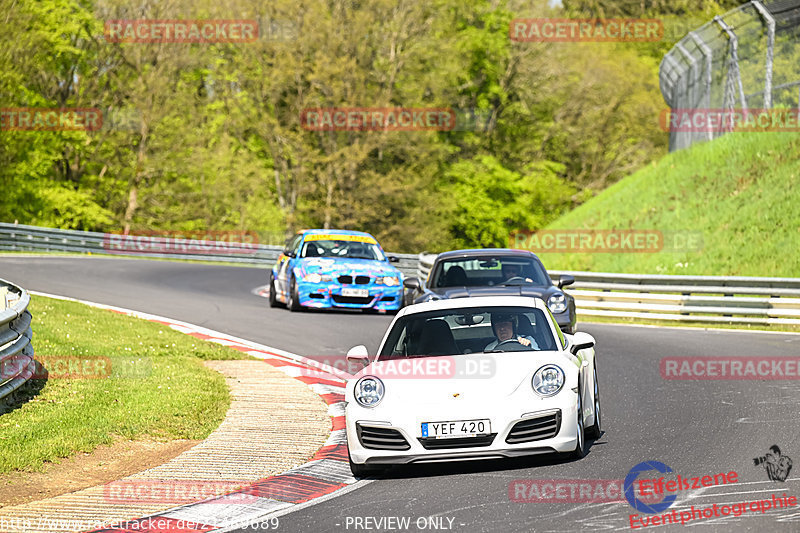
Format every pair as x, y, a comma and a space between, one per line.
333, 237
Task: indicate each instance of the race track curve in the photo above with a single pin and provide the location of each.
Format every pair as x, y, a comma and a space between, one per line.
696, 427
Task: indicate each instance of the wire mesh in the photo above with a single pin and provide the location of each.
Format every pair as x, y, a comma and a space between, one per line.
748, 58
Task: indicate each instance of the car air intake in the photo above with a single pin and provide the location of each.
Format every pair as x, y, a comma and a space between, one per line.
459, 442
345, 279
362, 280
538, 428
379, 438
358, 300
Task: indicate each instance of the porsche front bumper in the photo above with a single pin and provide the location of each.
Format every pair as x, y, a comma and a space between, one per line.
373, 439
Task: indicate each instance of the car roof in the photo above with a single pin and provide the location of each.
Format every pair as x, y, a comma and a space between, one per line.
477, 301
334, 232
478, 252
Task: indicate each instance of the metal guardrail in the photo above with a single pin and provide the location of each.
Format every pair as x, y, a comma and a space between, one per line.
22, 238
16, 351
707, 299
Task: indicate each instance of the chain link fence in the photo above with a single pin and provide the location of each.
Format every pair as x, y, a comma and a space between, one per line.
746, 59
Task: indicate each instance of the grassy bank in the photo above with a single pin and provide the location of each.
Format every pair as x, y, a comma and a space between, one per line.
740, 192
157, 387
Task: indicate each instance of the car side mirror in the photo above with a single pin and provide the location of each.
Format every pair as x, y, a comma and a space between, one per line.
412, 283
288, 253
358, 354
581, 341
565, 280
393, 259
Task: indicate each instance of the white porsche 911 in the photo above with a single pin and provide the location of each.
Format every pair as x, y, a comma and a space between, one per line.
472, 379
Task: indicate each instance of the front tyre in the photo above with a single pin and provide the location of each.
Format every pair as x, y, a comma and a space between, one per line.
293, 300
361, 470
580, 448
273, 298
596, 429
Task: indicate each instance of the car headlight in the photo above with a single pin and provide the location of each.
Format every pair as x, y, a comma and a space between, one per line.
389, 281
548, 380
315, 277
368, 391
557, 303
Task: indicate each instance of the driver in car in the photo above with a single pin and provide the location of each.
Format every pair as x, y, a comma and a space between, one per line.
511, 271
505, 329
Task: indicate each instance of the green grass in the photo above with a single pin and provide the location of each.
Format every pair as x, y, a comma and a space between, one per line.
784, 328
158, 388
742, 191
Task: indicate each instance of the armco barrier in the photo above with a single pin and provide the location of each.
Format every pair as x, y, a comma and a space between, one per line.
16, 356
708, 299
22, 238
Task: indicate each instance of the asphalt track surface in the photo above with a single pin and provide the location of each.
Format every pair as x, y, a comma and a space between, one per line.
696, 427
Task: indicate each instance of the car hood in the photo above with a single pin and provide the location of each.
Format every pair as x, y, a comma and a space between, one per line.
511, 290
475, 377
329, 265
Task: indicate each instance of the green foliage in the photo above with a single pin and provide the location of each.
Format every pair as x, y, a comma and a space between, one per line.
208, 136
486, 201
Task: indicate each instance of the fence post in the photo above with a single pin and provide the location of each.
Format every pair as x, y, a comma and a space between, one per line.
733, 68
708, 55
770, 47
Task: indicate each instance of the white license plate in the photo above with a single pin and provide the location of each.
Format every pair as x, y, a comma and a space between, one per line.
355, 292
459, 428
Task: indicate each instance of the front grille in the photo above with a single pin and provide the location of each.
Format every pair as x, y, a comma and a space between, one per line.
345, 279
362, 280
539, 428
376, 438
430, 443
363, 300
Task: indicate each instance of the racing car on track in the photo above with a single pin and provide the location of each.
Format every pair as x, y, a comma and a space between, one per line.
494, 272
472, 378
335, 268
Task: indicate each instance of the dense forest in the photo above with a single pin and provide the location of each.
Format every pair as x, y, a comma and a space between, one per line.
208, 136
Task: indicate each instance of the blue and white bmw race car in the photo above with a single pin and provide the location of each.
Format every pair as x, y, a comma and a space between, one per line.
335, 268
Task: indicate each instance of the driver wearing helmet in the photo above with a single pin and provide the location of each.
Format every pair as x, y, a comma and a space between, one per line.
504, 326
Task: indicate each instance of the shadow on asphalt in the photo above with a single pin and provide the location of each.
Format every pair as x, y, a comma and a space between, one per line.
481, 466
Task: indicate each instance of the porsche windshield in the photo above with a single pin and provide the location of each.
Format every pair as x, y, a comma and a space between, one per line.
489, 271
469, 330
342, 248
